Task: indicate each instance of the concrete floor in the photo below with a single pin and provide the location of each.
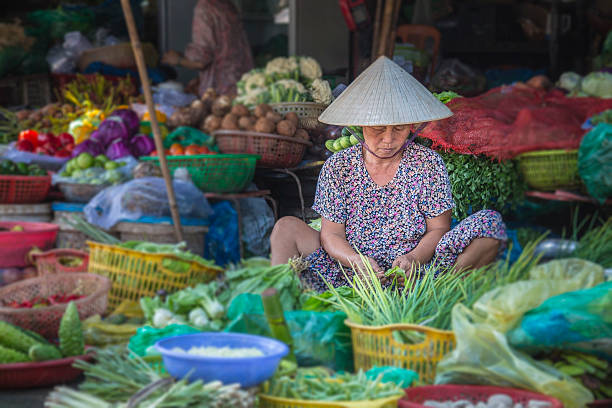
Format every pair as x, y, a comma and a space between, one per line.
32, 398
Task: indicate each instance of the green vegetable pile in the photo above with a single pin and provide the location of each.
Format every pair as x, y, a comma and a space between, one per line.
118, 377
10, 168
87, 169
19, 345
318, 385
596, 245
480, 183
254, 275
350, 137
180, 265
195, 306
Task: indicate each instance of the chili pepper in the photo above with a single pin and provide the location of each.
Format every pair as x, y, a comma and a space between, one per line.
30, 135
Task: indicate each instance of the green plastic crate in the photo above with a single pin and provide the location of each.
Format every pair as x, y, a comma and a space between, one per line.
215, 173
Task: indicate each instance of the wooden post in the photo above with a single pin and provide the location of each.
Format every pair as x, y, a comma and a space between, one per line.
146, 88
391, 44
385, 29
376, 30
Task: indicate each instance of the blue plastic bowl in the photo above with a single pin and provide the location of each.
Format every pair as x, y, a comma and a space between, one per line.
246, 371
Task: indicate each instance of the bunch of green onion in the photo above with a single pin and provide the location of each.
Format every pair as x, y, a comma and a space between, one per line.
427, 297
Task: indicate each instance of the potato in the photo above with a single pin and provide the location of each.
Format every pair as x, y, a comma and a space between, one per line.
230, 122
293, 117
264, 125
285, 128
198, 111
302, 134
240, 110
222, 105
211, 123
262, 109
209, 95
246, 122
274, 117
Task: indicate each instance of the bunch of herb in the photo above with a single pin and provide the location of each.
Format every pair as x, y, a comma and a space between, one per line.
478, 183
596, 244
118, 377
254, 275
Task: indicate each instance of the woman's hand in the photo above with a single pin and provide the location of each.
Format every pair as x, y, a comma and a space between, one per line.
357, 263
407, 262
171, 58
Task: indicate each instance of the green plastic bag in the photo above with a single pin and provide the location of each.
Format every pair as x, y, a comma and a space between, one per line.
595, 161
147, 336
53, 24
400, 376
579, 320
186, 135
319, 338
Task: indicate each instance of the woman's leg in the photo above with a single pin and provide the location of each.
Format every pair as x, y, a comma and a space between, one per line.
292, 237
474, 242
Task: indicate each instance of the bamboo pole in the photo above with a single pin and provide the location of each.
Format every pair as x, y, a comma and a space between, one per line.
385, 28
391, 44
376, 30
146, 87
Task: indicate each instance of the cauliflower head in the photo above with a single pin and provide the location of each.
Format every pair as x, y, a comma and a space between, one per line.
256, 80
291, 84
310, 68
252, 97
281, 66
321, 91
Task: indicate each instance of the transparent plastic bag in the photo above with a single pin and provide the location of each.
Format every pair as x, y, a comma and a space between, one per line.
503, 307
99, 175
578, 320
257, 224
144, 196
483, 356
46, 162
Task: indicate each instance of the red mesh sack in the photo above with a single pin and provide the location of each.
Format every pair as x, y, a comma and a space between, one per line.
510, 120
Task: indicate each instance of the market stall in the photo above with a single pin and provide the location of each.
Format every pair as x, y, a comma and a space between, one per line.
135, 262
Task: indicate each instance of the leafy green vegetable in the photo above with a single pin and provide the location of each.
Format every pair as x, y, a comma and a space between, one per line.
447, 96
177, 250
326, 301
478, 183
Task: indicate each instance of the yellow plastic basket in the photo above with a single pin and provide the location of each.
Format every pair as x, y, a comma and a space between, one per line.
267, 401
375, 345
135, 274
548, 170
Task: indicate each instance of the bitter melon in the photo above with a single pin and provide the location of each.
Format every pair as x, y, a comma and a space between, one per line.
71, 332
8, 355
14, 338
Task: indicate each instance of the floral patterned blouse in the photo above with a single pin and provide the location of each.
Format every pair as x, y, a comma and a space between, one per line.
384, 222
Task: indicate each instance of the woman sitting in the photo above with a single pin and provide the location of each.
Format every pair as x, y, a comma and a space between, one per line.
388, 198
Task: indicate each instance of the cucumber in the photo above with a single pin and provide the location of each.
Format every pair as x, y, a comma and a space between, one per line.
345, 142
329, 144
41, 352
338, 145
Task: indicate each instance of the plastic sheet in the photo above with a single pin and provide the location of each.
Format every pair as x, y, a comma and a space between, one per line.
577, 320
319, 338
595, 162
144, 196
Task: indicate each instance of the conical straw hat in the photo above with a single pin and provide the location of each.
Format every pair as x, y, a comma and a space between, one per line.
384, 94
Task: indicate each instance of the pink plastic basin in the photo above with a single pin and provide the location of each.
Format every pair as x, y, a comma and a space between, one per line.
15, 245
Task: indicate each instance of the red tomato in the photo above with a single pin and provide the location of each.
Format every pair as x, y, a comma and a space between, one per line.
63, 153
44, 138
153, 153
55, 142
25, 146
29, 135
69, 147
66, 139
48, 147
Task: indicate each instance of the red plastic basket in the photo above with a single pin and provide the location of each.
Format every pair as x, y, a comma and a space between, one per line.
276, 151
474, 393
49, 262
43, 374
24, 189
15, 245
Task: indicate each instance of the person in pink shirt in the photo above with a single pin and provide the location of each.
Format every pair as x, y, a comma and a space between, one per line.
219, 47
